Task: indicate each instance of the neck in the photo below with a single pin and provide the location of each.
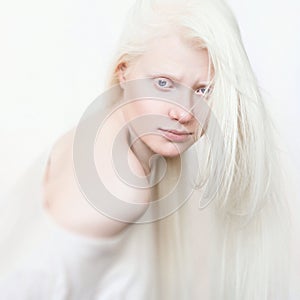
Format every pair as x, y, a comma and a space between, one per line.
142, 152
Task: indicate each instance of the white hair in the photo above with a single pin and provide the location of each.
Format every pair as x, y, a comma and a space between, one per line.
251, 219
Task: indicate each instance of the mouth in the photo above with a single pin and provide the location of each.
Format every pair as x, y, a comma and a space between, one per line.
175, 135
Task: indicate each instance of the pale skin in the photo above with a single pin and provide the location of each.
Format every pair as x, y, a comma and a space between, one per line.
63, 199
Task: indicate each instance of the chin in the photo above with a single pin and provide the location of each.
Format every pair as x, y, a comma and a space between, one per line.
169, 154
169, 149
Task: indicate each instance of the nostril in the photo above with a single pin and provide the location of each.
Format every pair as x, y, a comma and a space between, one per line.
180, 115
173, 115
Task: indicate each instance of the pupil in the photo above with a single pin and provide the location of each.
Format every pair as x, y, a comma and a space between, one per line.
162, 82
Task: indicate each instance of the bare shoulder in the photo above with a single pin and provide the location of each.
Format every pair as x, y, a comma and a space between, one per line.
64, 200
63, 143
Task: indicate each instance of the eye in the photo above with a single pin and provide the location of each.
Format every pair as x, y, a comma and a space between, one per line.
202, 91
163, 83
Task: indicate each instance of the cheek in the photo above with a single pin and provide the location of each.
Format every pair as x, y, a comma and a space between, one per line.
140, 108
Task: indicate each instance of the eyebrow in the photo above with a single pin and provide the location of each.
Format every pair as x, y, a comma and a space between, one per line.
176, 78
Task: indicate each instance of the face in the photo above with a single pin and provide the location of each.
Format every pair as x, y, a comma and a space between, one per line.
162, 90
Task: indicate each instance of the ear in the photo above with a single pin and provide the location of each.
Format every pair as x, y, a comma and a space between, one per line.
121, 72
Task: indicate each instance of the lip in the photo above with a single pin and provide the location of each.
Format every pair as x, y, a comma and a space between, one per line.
175, 135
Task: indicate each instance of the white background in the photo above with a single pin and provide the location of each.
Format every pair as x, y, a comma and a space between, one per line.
55, 54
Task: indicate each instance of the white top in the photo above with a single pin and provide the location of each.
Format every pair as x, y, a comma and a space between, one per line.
70, 266
41, 260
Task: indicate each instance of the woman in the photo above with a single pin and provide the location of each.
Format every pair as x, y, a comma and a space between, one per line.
185, 112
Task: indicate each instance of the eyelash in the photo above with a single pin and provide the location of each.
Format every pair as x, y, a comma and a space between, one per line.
206, 90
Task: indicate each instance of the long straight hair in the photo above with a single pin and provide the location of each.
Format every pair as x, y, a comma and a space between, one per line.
243, 186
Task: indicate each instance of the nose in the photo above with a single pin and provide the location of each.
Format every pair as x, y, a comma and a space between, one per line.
180, 115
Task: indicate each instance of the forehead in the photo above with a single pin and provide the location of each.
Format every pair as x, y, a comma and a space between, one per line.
175, 55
